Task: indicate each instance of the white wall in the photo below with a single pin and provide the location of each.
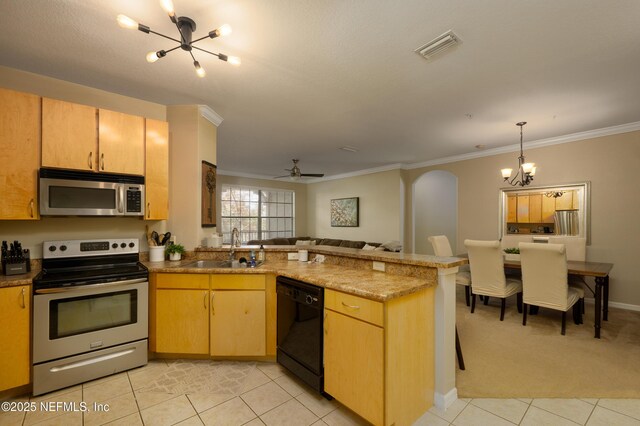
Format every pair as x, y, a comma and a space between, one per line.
435, 201
191, 140
608, 162
380, 207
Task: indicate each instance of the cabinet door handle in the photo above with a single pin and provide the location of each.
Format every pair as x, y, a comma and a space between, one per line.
90, 160
351, 306
31, 205
148, 210
204, 302
213, 309
102, 161
24, 305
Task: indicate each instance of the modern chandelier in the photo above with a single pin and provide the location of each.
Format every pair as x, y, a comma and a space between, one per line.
525, 172
186, 27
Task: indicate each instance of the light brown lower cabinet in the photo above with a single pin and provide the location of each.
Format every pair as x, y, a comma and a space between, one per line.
15, 341
202, 314
378, 357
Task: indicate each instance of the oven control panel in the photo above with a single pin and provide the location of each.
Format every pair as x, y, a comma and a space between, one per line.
97, 247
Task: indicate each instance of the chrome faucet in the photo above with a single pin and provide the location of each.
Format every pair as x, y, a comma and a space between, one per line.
235, 242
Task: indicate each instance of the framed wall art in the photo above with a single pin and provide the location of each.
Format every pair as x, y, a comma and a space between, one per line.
344, 212
208, 217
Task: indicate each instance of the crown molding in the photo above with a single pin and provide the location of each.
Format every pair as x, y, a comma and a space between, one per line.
557, 140
395, 166
245, 175
573, 137
209, 114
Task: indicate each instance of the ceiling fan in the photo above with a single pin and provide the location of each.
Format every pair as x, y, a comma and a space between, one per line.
295, 174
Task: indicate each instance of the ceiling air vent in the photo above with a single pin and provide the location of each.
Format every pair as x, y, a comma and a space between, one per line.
438, 44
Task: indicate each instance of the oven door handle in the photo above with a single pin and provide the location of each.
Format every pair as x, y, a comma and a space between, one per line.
90, 286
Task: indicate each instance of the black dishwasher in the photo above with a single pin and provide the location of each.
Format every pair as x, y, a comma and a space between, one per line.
299, 335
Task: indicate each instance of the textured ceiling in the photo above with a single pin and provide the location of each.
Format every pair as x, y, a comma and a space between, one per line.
318, 75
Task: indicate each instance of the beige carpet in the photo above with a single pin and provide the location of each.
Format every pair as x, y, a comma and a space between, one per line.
505, 359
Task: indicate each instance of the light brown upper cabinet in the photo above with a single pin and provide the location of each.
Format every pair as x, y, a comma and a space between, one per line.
19, 154
157, 169
523, 209
121, 143
69, 135
512, 209
548, 209
535, 208
565, 201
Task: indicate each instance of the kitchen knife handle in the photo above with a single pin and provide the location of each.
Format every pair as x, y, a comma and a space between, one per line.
90, 160
102, 161
31, 205
24, 305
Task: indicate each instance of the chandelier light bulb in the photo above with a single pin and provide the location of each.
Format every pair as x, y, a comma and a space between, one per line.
234, 60
506, 173
126, 22
152, 57
199, 70
167, 6
527, 167
224, 30
533, 171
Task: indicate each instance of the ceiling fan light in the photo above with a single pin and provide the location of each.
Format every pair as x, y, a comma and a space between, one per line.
199, 70
126, 22
234, 60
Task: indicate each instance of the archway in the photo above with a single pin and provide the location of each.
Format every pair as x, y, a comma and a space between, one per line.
435, 209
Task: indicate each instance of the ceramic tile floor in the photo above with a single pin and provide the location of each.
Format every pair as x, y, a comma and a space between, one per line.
270, 396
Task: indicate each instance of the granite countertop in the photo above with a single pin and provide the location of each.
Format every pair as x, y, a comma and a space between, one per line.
17, 280
381, 256
366, 283
370, 284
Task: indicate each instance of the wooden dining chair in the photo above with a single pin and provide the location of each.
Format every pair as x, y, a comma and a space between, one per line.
545, 281
442, 248
487, 274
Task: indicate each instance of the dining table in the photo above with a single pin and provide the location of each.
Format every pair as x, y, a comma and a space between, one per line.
599, 271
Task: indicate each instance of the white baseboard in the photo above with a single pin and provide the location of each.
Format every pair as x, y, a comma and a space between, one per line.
625, 306
443, 402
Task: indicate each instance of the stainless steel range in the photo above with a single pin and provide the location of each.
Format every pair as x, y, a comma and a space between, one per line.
90, 312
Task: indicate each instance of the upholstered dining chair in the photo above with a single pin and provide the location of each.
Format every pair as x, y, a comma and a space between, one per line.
545, 281
441, 247
487, 274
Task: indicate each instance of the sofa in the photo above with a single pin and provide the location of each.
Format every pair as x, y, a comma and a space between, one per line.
306, 241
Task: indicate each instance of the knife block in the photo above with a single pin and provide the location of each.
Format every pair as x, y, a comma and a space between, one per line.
15, 268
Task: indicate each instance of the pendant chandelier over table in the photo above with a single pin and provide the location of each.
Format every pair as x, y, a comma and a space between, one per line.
526, 171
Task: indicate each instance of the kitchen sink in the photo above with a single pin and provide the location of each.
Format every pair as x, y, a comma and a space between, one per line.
209, 264
215, 264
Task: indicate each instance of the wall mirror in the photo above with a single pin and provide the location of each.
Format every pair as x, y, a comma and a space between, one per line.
546, 210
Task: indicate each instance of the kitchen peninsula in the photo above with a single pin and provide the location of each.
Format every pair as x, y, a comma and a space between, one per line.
386, 337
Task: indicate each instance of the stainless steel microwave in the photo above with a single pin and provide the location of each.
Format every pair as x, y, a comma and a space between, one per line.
76, 193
